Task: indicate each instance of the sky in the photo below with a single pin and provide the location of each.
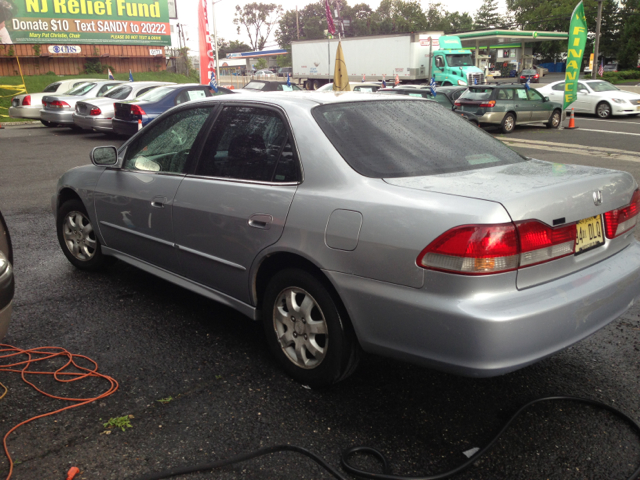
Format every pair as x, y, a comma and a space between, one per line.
225, 10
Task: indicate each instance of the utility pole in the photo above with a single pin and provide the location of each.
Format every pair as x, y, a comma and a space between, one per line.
215, 39
297, 24
594, 68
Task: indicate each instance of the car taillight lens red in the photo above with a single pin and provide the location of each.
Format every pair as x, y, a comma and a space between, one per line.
95, 111
59, 104
26, 100
458, 104
489, 104
44, 103
522, 76
473, 250
136, 110
621, 220
540, 243
487, 249
535, 76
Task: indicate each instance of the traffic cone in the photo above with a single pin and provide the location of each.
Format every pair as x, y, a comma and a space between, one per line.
572, 121
140, 123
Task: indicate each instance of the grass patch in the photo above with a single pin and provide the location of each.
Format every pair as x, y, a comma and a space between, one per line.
119, 422
37, 83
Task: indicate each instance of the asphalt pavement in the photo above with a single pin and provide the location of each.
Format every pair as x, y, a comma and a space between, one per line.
224, 395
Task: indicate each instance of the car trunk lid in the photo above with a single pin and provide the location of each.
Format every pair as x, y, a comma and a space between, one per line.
555, 194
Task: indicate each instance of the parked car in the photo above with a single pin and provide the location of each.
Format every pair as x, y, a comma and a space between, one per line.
597, 97
284, 71
610, 67
28, 105
154, 103
362, 221
542, 70
57, 110
529, 74
440, 98
265, 72
6, 278
368, 87
97, 113
268, 86
506, 105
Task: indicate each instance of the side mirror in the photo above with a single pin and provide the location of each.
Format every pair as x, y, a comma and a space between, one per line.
546, 99
104, 156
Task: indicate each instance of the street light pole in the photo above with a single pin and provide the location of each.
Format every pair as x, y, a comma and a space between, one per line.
594, 67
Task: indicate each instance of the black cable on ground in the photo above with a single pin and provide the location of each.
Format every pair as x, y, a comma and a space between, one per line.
386, 471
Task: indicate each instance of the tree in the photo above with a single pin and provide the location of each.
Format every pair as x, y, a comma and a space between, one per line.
457, 22
258, 19
233, 46
629, 56
487, 16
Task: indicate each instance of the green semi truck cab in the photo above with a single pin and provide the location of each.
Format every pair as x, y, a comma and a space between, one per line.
453, 65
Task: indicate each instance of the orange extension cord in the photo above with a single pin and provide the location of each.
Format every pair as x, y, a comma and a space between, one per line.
42, 354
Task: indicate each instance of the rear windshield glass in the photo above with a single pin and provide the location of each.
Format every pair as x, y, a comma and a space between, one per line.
82, 89
51, 88
119, 93
255, 85
155, 94
477, 94
386, 139
529, 72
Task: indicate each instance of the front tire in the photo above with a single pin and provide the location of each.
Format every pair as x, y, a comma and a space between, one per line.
508, 123
306, 329
77, 237
603, 110
554, 121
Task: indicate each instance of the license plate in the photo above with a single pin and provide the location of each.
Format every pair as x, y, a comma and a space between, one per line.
589, 233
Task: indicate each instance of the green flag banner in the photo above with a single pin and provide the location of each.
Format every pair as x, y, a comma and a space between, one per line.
577, 42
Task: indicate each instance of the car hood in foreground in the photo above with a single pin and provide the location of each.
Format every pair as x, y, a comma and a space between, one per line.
535, 189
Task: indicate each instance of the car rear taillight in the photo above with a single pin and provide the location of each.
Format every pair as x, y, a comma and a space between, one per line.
540, 243
621, 220
59, 104
136, 110
457, 103
487, 249
473, 250
44, 104
95, 111
489, 104
26, 100
522, 76
535, 76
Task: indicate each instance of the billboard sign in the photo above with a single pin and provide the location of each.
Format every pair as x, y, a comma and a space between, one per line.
112, 22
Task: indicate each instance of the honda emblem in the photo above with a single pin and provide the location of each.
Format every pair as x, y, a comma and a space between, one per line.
597, 197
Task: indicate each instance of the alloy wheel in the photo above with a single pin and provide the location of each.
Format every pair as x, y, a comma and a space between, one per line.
79, 236
301, 327
604, 110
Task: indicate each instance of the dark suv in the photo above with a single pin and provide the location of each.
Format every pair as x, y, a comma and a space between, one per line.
505, 105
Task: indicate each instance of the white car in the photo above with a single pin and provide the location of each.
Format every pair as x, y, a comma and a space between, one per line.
28, 105
265, 73
598, 97
368, 87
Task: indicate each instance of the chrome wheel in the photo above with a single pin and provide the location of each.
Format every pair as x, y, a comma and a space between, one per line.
79, 236
555, 121
301, 327
508, 124
603, 110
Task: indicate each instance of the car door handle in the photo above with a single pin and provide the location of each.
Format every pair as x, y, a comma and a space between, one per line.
159, 202
260, 220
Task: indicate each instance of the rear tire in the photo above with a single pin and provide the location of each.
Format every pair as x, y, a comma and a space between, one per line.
508, 124
316, 84
77, 237
554, 121
306, 329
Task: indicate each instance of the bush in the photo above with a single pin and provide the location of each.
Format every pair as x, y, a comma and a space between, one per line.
92, 66
622, 75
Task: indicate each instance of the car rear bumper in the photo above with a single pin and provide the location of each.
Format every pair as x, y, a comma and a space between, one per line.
92, 123
124, 127
63, 118
491, 117
25, 112
502, 330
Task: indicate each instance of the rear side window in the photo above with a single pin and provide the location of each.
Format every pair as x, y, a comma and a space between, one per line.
559, 87
194, 94
505, 94
119, 93
82, 89
52, 87
156, 94
477, 94
255, 86
386, 139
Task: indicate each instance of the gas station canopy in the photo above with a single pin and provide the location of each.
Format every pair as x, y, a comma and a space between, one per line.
507, 38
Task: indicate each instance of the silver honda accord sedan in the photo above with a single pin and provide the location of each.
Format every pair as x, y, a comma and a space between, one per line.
361, 222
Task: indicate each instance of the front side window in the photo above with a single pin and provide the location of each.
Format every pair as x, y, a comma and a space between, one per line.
535, 95
520, 94
249, 143
387, 139
254, 86
165, 146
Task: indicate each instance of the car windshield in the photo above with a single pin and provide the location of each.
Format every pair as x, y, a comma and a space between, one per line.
155, 94
81, 89
477, 94
602, 87
255, 85
460, 60
529, 72
119, 93
386, 139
